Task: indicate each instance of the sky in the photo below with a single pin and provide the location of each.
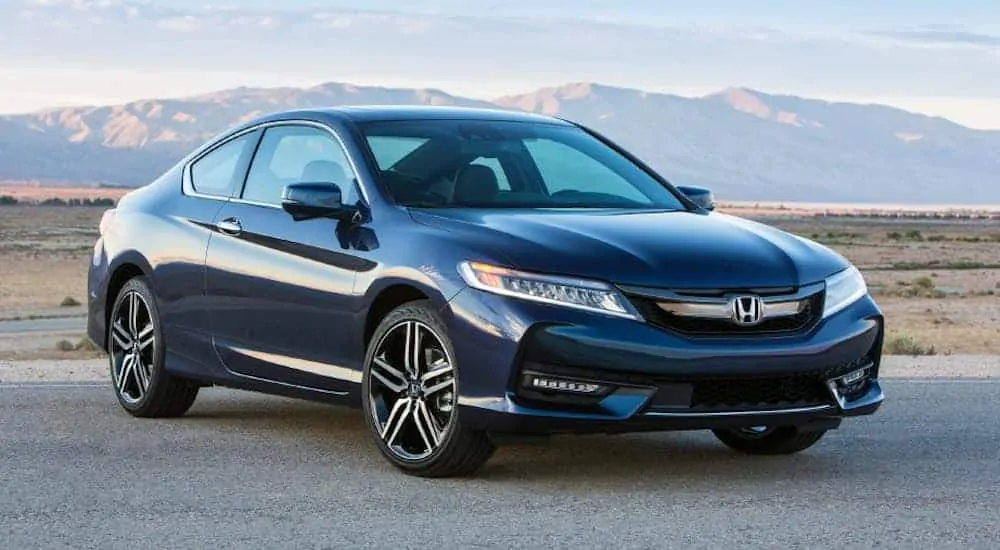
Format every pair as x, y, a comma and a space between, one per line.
935, 57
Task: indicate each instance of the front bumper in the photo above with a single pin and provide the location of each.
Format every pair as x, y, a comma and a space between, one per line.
651, 379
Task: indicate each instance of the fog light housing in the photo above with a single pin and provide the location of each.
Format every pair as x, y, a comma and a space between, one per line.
540, 383
546, 383
851, 385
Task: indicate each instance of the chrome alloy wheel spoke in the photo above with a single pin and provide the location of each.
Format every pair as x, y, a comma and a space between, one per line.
414, 340
388, 375
133, 377
397, 418
133, 337
431, 382
412, 386
125, 371
145, 338
121, 336
427, 426
141, 376
133, 314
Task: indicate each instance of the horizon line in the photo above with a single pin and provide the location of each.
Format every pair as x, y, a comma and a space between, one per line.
703, 93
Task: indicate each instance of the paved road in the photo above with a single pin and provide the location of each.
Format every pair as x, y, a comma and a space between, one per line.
260, 472
54, 324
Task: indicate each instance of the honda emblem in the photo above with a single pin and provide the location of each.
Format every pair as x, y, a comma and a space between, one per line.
747, 310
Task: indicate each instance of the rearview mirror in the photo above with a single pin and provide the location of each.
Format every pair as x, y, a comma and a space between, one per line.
314, 200
698, 195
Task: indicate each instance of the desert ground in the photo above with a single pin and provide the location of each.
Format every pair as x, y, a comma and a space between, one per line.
37, 192
937, 279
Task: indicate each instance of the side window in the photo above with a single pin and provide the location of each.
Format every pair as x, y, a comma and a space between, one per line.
494, 164
565, 168
215, 173
297, 154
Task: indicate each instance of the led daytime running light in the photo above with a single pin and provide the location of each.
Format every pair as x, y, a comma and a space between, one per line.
582, 294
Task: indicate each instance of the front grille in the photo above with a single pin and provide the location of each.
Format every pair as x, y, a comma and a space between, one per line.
697, 326
735, 393
759, 393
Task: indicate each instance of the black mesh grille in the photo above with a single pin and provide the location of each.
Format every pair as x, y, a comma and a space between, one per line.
694, 326
764, 391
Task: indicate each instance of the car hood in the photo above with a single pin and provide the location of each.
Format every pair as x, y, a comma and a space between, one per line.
668, 249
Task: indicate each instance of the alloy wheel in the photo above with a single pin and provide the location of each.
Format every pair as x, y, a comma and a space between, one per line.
133, 339
412, 390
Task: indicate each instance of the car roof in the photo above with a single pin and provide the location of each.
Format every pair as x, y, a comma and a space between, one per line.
383, 113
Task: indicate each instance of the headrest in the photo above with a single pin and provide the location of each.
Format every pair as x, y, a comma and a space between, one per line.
475, 184
324, 171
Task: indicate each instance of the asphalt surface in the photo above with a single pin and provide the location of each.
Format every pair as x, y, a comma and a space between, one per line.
251, 471
54, 324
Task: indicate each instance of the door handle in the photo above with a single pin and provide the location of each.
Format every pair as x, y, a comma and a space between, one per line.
229, 226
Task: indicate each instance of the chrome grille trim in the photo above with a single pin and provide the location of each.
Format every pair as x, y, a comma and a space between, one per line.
713, 313
723, 309
722, 294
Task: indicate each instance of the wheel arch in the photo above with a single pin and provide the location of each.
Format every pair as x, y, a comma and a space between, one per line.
127, 266
389, 293
384, 302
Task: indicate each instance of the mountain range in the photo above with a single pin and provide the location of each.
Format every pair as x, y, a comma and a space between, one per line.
744, 144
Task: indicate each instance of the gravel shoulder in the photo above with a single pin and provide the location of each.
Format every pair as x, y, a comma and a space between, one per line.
894, 366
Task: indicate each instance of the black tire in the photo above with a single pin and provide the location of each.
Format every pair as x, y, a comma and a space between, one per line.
780, 440
165, 396
462, 450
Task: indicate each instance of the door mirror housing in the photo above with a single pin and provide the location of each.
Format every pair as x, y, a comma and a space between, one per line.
310, 200
699, 195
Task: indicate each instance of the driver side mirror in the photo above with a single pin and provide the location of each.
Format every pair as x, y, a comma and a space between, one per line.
698, 195
306, 201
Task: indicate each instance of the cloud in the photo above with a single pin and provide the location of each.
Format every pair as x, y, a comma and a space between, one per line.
83, 5
184, 23
258, 21
336, 21
942, 35
494, 53
94, 12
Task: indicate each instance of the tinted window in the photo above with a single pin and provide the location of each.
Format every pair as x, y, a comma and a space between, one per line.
215, 173
564, 168
297, 154
557, 166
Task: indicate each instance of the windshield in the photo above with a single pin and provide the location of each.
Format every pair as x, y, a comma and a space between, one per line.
503, 164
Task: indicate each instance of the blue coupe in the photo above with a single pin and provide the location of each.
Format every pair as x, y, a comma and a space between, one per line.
465, 276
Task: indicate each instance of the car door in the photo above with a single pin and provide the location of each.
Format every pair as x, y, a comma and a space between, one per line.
281, 291
182, 229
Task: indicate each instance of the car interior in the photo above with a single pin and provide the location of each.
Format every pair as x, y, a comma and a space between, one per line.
445, 173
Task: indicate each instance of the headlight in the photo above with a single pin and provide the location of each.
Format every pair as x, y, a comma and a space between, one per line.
564, 291
843, 289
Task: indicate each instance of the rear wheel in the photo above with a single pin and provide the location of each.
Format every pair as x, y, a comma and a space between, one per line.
769, 440
136, 352
410, 394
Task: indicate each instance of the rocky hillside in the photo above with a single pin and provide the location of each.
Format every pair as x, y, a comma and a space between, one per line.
742, 143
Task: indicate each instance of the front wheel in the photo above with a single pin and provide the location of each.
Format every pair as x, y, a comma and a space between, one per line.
769, 440
410, 395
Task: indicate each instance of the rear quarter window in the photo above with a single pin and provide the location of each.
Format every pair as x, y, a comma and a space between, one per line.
215, 173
